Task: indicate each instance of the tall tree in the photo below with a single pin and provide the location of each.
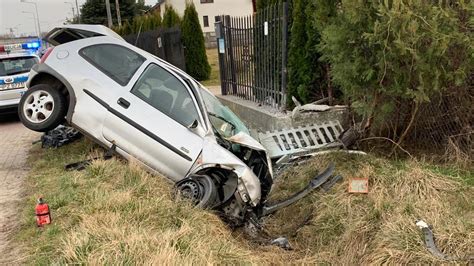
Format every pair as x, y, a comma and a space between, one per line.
307, 76
385, 52
195, 54
170, 17
94, 12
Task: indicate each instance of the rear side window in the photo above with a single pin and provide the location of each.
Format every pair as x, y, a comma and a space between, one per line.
116, 61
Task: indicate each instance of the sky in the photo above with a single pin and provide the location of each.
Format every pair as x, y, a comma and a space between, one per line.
52, 13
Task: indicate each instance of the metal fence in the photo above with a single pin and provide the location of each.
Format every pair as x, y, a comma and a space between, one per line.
164, 43
253, 55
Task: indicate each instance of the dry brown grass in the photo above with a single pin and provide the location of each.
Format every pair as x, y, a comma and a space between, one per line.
115, 213
379, 227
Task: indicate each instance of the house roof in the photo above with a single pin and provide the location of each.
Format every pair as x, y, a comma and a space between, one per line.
158, 4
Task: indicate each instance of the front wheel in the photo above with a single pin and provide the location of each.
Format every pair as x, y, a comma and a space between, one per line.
200, 189
42, 108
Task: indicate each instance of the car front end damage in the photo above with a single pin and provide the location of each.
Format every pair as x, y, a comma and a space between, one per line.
243, 174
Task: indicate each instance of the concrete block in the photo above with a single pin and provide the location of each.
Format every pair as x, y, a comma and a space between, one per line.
265, 118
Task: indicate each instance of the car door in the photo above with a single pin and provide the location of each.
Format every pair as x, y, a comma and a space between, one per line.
157, 120
105, 69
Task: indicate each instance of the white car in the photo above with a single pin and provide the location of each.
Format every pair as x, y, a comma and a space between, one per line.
142, 107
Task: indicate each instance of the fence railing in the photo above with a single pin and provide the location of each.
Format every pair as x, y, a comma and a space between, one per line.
253, 55
164, 43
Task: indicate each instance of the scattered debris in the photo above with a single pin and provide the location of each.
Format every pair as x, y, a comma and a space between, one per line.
430, 243
281, 242
330, 183
359, 185
81, 165
315, 183
59, 136
313, 107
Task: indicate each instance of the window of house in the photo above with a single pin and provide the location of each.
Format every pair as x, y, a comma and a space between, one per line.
207, 1
116, 61
205, 21
160, 89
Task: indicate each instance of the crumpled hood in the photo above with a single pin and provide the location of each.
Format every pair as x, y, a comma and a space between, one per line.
245, 139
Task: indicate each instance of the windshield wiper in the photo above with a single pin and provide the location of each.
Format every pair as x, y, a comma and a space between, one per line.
223, 119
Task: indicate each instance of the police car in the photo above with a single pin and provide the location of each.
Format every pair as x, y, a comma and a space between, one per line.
16, 60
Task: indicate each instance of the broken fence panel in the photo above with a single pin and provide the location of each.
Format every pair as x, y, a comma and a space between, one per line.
299, 139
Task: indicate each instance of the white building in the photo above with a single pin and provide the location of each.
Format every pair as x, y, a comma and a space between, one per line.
209, 9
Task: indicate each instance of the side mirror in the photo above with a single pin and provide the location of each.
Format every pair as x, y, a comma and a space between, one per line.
194, 124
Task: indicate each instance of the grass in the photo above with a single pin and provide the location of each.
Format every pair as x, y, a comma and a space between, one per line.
213, 59
115, 213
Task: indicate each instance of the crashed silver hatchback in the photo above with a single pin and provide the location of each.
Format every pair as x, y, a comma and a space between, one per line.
139, 106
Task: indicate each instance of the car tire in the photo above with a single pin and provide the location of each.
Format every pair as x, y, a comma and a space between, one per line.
209, 192
201, 189
42, 108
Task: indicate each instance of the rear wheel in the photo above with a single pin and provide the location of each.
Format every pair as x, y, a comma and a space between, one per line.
42, 108
201, 189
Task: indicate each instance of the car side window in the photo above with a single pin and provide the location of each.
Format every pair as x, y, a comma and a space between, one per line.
160, 89
116, 61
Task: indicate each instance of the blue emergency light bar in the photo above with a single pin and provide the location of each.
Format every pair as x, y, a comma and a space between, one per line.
35, 45
30, 45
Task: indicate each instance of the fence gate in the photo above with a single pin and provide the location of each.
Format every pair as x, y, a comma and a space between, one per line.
253, 55
164, 43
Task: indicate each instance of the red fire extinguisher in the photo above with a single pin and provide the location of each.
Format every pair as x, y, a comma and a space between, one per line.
42, 213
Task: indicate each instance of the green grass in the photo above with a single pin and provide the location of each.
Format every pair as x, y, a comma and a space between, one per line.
213, 59
115, 213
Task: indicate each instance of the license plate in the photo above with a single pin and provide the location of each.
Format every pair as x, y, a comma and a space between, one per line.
12, 86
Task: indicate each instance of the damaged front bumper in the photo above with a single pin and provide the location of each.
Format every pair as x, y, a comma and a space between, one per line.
316, 182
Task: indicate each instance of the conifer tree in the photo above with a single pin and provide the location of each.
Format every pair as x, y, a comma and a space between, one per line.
195, 54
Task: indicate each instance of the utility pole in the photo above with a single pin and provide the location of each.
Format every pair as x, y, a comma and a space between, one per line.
109, 15
34, 21
72, 7
117, 8
78, 13
37, 15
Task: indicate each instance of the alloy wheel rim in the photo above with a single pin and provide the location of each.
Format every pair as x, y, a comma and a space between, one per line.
38, 106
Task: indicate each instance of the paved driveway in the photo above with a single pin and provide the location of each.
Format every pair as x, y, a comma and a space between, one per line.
15, 141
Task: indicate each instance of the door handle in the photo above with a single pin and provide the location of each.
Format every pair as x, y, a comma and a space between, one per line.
124, 103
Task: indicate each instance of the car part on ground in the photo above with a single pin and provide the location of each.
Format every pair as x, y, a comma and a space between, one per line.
431, 245
302, 139
81, 165
315, 183
254, 224
59, 136
281, 242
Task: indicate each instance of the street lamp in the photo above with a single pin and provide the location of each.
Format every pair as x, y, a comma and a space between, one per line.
72, 7
34, 21
37, 14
